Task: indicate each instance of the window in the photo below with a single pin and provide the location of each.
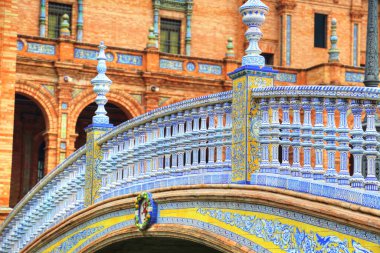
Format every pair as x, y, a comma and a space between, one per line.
320, 26
268, 58
170, 41
56, 11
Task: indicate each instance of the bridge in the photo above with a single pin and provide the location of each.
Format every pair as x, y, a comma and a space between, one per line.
255, 169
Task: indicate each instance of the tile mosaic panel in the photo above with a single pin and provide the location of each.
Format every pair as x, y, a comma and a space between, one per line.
171, 64
210, 69
354, 77
129, 59
39, 48
286, 77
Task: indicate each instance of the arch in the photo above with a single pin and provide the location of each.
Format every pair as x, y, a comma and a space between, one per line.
302, 203
44, 100
124, 101
176, 231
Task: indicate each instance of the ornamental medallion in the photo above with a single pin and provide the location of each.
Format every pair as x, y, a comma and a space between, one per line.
145, 210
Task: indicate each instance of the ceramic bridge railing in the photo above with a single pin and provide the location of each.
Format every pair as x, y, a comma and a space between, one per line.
54, 198
309, 128
186, 143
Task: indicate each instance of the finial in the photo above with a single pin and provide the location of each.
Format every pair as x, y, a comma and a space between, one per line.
64, 30
230, 48
253, 12
101, 85
333, 51
152, 39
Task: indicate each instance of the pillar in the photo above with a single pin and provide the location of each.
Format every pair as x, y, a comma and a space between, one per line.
371, 78
100, 125
80, 21
43, 18
189, 12
285, 9
245, 115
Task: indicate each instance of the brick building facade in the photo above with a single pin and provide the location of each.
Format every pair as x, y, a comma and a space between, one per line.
46, 98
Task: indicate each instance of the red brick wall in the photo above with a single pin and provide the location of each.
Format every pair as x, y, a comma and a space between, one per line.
8, 17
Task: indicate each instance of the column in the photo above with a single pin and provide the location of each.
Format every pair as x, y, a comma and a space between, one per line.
371, 78
285, 10
189, 12
43, 18
156, 16
80, 21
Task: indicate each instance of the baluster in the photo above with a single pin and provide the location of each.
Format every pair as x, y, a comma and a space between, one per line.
174, 123
275, 133
228, 135
160, 142
285, 136
187, 139
371, 183
357, 180
318, 139
264, 134
130, 155
306, 139
195, 138
119, 160
330, 175
154, 129
210, 139
136, 156
203, 137
343, 140
180, 141
124, 157
296, 143
219, 136
166, 145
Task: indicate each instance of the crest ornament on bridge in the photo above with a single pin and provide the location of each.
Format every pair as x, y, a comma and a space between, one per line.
145, 211
253, 12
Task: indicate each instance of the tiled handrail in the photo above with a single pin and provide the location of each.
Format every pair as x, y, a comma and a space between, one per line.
54, 198
308, 127
178, 144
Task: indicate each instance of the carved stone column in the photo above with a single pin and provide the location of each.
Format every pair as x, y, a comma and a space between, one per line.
371, 78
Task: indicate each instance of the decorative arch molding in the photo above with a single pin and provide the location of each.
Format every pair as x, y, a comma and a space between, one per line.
125, 102
196, 210
176, 231
45, 101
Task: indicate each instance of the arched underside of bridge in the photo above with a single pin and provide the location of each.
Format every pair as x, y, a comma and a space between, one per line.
227, 218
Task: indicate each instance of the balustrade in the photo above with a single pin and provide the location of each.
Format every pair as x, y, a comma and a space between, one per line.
314, 128
188, 143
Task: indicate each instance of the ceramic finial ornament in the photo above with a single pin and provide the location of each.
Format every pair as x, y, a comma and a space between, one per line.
101, 85
253, 12
333, 51
230, 48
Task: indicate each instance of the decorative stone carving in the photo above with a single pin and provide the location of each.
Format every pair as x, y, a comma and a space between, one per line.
371, 78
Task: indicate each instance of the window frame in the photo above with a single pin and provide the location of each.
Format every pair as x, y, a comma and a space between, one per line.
179, 31
72, 16
317, 44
